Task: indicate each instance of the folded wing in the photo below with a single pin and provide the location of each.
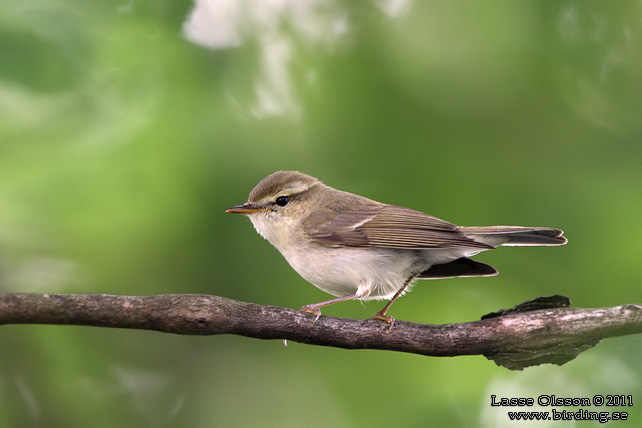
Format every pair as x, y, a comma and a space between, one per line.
389, 226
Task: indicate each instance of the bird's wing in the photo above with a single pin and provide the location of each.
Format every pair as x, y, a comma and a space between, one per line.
389, 226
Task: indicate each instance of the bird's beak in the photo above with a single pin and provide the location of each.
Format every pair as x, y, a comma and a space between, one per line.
246, 208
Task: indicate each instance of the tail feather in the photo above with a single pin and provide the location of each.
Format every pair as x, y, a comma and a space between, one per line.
515, 235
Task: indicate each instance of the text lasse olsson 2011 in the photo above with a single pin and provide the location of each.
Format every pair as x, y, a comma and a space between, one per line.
552, 400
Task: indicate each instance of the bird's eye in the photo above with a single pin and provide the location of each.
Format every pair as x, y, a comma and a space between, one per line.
282, 200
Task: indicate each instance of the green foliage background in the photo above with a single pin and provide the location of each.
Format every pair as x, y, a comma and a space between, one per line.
122, 142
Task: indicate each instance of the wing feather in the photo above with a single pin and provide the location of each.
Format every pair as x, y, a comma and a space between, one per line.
390, 226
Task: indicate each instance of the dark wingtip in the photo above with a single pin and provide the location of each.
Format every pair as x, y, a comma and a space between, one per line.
461, 267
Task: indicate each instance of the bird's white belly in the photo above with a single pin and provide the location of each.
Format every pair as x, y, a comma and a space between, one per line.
372, 273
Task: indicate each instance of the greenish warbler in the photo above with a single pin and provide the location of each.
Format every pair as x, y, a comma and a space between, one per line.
353, 247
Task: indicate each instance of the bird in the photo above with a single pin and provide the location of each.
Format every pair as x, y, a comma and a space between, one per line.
353, 247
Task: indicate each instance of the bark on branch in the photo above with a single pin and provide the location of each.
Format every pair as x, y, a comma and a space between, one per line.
529, 334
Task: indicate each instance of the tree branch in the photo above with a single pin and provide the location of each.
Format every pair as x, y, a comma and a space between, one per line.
523, 336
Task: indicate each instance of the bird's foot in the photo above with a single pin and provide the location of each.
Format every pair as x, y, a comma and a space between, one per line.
312, 310
381, 315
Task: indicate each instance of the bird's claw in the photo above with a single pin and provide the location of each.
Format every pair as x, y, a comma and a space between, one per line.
383, 317
309, 309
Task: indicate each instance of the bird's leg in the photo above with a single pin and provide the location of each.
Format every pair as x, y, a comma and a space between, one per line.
315, 308
381, 315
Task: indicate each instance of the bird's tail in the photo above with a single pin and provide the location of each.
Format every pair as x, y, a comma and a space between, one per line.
514, 235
